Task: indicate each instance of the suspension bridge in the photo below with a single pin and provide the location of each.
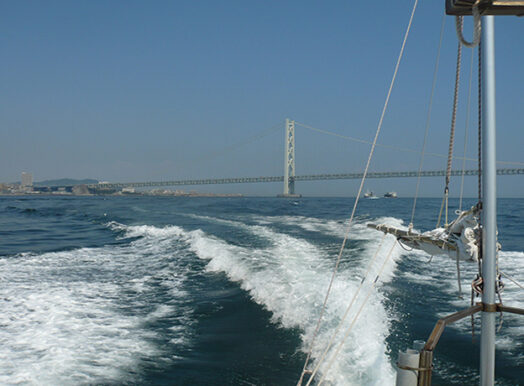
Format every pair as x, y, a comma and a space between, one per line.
289, 178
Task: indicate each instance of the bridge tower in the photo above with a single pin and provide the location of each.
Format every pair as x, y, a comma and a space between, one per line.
289, 160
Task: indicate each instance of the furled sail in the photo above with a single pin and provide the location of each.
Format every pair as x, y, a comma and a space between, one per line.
458, 239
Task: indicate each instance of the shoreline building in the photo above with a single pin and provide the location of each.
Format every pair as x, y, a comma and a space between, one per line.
27, 179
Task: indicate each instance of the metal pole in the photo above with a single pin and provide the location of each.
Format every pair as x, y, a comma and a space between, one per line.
489, 203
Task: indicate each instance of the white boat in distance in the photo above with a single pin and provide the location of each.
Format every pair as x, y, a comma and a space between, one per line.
370, 195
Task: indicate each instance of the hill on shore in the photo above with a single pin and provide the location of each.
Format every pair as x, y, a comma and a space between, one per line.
66, 182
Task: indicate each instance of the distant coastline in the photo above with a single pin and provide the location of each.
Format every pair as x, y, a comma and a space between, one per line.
91, 187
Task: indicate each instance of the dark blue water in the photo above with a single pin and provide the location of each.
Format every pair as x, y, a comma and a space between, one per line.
227, 291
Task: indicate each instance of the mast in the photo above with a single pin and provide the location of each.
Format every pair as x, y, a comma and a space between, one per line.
489, 203
488, 307
489, 172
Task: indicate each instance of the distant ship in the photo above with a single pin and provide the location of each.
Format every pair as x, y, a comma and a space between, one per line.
370, 195
391, 195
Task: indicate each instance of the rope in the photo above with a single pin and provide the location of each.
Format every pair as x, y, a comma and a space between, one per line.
477, 284
472, 315
428, 119
499, 287
476, 26
458, 275
466, 129
330, 343
446, 195
341, 344
479, 157
452, 132
403, 247
361, 185
440, 213
512, 279
476, 288
479, 126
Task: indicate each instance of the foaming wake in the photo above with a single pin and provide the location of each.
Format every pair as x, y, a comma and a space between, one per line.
337, 228
511, 335
82, 316
290, 278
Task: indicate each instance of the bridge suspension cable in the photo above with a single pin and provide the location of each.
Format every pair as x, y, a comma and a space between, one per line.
404, 149
246, 141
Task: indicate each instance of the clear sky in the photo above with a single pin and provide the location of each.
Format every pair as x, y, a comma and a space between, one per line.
151, 90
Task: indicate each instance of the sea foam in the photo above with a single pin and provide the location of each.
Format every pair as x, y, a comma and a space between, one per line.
290, 279
81, 316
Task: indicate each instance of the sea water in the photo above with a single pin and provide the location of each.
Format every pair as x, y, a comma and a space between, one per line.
228, 291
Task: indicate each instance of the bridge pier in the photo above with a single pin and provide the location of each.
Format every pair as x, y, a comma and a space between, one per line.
289, 161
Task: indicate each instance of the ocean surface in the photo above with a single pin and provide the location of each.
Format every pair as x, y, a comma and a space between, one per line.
227, 291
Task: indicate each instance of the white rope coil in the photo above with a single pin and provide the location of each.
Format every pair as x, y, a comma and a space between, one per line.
476, 27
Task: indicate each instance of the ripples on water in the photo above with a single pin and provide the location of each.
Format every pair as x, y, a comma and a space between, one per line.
228, 291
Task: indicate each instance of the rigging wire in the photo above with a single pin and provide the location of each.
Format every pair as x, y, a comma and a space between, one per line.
512, 279
463, 160
444, 204
477, 283
458, 275
466, 128
479, 128
360, 188
348, 330
440, 212
479, 157
476, 41
428, 120
334, 335
452, 131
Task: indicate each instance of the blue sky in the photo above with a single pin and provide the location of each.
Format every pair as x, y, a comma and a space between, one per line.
136, 90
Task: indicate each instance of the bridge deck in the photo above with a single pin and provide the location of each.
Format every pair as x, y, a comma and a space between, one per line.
309, 177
